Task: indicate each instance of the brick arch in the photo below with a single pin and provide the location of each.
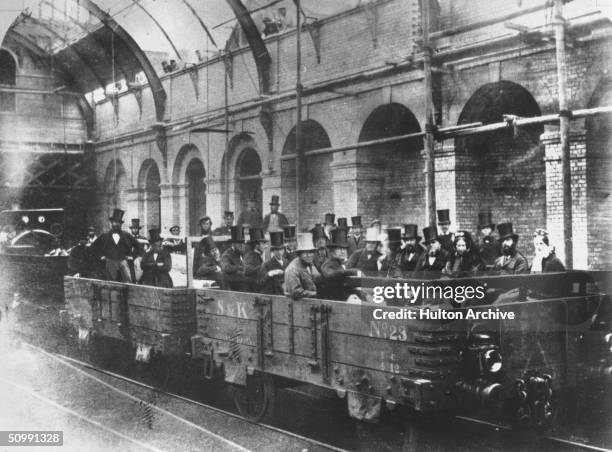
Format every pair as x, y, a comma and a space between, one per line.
502, 171
316, 194
392, 186
185, 155
149, 180
598, 181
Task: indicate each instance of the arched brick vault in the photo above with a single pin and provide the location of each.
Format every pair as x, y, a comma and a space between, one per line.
317, 195
229, 169
188, 180
502, 171
187, 153
149, 199
598, 180
391, 181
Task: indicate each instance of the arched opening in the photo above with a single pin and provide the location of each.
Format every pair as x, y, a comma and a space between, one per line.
599, 183
8, 76
248, 179
116, 186
196, 194
501, 171
395, 190
152, 195
315, 191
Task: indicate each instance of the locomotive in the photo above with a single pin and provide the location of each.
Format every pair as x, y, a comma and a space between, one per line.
480, 360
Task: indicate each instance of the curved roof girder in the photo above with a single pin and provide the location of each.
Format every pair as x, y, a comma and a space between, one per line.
31, 46
257, 44
159, 94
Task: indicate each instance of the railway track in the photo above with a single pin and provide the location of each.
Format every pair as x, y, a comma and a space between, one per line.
161, 412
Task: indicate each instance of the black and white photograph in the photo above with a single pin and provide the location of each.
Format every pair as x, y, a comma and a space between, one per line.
306, 225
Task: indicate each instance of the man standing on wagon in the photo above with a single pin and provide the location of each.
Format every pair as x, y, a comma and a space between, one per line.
253, 258
115, 248
333, 269
272, 272
274, 221
232, 262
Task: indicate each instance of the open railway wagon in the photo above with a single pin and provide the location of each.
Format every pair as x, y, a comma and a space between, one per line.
503, 369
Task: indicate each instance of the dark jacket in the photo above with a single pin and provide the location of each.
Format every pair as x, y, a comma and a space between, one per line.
390, 266
448, 242
301, 280
272, 284
202, 250
320, 256
251, 217
222, 230
410, 259
252, 265
365, 261
514, 264
282, 221
232, 265
335, 276
489, 250
106, 247
154, 274
80, 261
464, 265
424, 267
355, 243
209, 269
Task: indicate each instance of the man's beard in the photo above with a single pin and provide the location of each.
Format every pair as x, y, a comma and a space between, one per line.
116, 228
433, 253
410, 249
508, 250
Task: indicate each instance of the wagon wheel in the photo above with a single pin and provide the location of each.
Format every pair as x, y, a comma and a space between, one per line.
255, 401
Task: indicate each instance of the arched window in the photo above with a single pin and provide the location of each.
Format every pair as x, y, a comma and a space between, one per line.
8, 70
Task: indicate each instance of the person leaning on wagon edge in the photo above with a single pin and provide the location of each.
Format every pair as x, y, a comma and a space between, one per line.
333, 269
511, 261
115, 248
156, 263
232, 262
301, 276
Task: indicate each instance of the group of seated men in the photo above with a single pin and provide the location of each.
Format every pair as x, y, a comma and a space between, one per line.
316, 263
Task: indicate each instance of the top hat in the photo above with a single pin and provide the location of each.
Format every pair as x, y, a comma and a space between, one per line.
276, 239
329, 218
117, 216
505, 231
338, 238
485, 220
318, 232
237, 234
342, 223
430, 234
304, 242
256, 235
228, 213
274, 201
155, 235
356, 222
372, 235
443, 216
289, 230
394, 235
411, 232
135, 223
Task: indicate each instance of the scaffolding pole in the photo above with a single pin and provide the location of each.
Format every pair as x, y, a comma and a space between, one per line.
299, 157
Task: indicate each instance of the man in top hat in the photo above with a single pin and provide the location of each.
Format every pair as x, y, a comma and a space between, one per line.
205, 245
328, 224
290, 242
228, 222
333, 269
366, 258
445, 237
319, 238
511, 261
489, 249
356, 240
434, 260
301, 276
232, 262
251, 217
272, 272
253, 258
143, 245
411, 248
390, 260
115, 248
274, 221
156, 262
